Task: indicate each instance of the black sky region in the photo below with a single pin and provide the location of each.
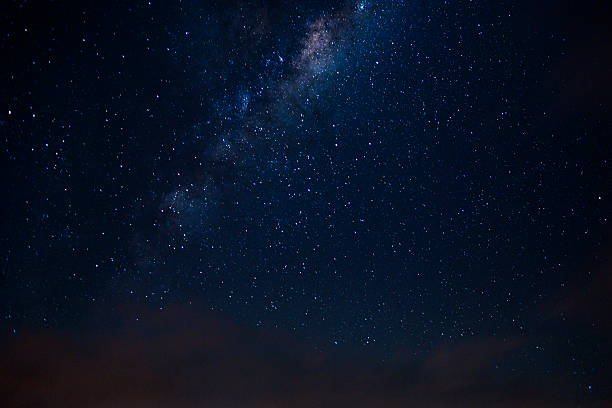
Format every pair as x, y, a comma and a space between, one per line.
377, 203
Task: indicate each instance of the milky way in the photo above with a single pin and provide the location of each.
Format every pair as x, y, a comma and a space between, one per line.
253, 129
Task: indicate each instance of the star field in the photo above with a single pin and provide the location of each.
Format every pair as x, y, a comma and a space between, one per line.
369, 179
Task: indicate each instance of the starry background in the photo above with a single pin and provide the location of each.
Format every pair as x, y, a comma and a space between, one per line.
305, 203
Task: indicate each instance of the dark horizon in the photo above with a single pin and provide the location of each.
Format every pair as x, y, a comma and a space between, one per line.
186, 356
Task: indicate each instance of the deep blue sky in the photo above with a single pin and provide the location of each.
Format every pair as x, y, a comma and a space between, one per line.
422, 186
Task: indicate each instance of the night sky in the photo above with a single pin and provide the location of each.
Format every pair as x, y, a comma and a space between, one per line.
375, 203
